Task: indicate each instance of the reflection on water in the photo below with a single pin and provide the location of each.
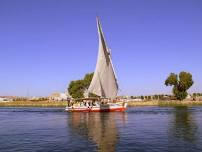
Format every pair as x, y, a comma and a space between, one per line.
99, 127
184, 134
184, 126
139, 129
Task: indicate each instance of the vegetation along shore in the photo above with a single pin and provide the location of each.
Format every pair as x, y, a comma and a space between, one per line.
27, 103
130, 103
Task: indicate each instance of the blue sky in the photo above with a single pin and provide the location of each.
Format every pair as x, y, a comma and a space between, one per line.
45, 44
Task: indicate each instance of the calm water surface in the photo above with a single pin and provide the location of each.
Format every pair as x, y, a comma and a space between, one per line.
144, 129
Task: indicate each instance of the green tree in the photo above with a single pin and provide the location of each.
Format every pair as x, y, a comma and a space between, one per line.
161, 96
77, 88
171, 80
180, 84
87, 80
142, 97
156, 97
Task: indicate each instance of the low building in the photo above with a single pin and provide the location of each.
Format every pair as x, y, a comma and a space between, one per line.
57, 96
5, 99
137, 99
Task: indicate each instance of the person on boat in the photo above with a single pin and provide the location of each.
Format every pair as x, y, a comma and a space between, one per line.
68, 102
93, 103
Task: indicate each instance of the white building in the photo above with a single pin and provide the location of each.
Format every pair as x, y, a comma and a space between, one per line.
59, 96
3, 99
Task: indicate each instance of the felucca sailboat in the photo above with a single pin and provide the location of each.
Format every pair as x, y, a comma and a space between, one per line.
104, 83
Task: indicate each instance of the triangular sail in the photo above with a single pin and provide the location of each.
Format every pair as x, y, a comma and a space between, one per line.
104, 81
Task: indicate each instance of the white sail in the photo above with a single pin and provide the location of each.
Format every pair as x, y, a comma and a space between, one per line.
104, 81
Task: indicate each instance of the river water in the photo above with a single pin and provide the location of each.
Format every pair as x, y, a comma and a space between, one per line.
140, 129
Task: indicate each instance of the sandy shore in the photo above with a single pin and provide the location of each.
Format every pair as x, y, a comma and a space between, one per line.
130, 104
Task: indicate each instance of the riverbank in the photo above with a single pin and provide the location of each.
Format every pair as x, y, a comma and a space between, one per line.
34, 104
172, 103
130, 104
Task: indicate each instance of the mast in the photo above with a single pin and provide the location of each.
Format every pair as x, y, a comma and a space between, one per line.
104, 82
